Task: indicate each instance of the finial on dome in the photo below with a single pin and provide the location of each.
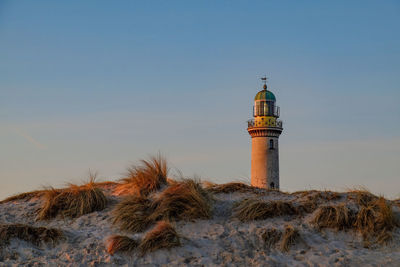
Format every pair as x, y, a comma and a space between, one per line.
264, 79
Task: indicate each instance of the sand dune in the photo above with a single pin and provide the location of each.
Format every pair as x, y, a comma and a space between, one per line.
221, 240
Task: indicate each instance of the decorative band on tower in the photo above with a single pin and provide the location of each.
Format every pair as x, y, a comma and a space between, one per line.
265, 129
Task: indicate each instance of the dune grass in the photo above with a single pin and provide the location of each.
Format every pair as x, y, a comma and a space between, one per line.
183, 200
133, 214
290, 237
271, 236
120, 243
230, 188
24, 196
361, 196
256, 209
376, 221
163, 235
338, 217
34, 235
150, 175
72, 202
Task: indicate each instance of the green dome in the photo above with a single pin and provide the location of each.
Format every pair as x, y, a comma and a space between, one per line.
265, 95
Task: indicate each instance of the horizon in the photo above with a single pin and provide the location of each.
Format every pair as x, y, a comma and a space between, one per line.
97, 87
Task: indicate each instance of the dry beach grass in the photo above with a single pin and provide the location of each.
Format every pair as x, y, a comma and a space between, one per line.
184, 200
72, 202
289, 237
121, 243
149, 176
256, 209
230, 188
163, 235
338, 217
133, 213
34, 235
155, 209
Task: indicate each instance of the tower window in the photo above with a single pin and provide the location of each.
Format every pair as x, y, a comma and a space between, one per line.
271, 144
272, 185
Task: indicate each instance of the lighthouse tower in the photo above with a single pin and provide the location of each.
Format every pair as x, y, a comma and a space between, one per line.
265, 129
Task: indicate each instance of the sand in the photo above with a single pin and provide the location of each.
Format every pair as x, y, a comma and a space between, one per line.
220, 241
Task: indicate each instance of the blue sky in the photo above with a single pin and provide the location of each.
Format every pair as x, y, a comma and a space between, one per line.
100, 84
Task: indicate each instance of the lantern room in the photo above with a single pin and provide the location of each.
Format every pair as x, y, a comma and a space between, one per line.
265, 111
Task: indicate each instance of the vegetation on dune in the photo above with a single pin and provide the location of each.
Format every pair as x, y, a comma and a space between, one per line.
362, 197
376, 221
271, 236
163, 235
145, 178
34, 235
184, 200
338, 217
317, 196
120, 243
256, 209
230, 188
290, 237
133, 213
73, 201
374, 218
24, 196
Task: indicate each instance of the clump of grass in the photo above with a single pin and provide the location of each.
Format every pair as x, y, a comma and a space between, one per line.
323, 195
24, 196
34, 235
120, 243
255, 209
376, 220
309, 202
145, 178
230, 188
290, 237
338, 217
362, 196
163, 235
132, 214
184, 200
73, 201
271, 236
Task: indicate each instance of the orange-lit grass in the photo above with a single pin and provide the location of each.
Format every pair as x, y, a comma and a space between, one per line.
184, 200
73, 201
145, 178
24, 196
120, 243
34, 235
163, 235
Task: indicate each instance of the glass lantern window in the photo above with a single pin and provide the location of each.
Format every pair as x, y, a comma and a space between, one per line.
261, 108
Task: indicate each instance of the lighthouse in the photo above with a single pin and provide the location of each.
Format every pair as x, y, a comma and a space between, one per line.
265, 129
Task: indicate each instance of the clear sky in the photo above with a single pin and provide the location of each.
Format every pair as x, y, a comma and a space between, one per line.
101, 84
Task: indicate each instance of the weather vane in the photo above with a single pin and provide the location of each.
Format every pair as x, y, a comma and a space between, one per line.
264, 79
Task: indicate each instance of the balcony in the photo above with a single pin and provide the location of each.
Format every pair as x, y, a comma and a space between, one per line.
276, 124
